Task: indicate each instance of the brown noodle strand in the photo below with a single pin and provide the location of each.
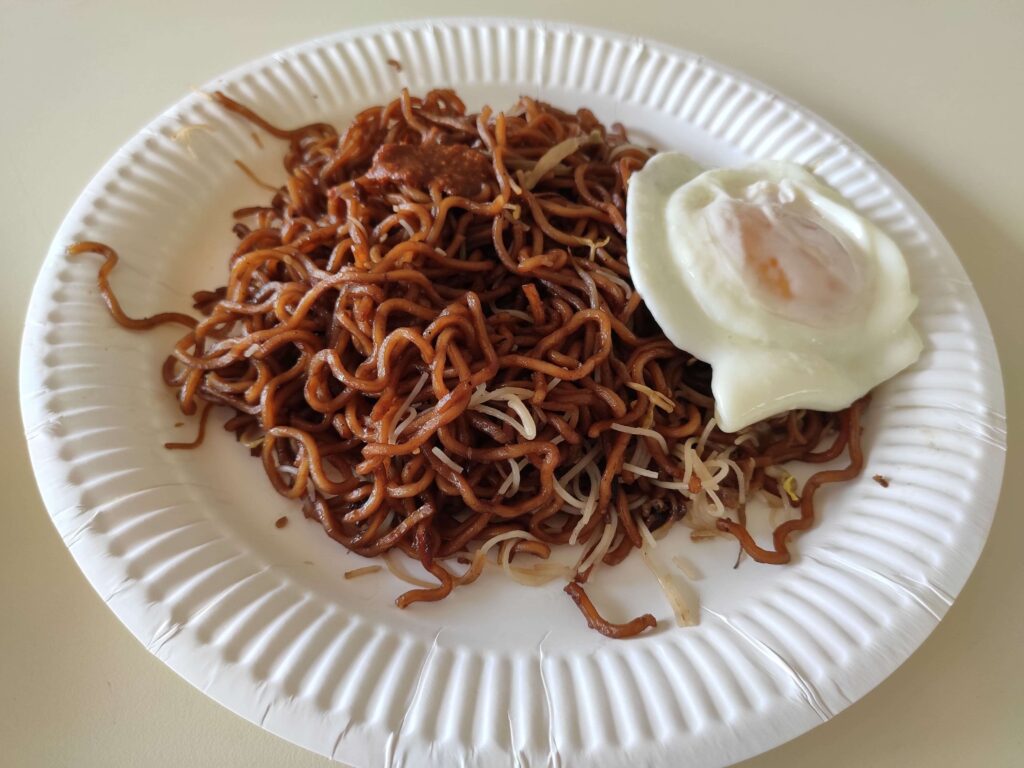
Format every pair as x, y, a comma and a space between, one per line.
103, 282
849, 436
424, 371
199, 436
596, 621
254, 178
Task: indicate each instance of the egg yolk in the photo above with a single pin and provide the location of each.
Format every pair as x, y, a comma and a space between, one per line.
788, 260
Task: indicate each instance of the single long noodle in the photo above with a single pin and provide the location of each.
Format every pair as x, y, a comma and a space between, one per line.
370, 309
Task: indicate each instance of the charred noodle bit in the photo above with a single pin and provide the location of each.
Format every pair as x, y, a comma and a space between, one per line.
429, 336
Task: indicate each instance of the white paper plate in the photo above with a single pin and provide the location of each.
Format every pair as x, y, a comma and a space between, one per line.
182, 544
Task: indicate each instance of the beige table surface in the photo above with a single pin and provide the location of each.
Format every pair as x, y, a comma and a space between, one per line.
934, 90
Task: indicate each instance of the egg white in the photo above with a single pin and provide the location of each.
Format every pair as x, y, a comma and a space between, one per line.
765, 360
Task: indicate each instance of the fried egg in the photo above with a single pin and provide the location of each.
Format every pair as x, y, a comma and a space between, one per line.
769, 275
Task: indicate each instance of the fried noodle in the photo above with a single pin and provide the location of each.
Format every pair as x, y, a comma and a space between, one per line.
430, 337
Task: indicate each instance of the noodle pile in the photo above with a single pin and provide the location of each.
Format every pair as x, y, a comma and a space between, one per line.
430, 338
